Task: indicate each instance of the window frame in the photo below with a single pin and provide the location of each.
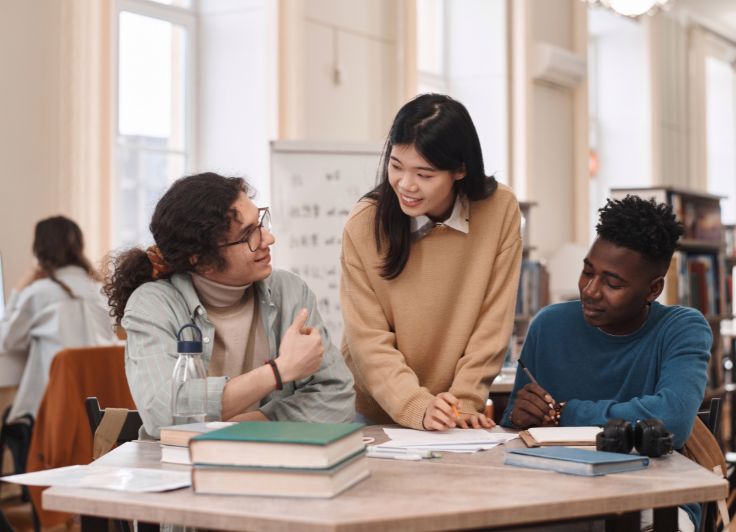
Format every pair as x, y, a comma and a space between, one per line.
185, 17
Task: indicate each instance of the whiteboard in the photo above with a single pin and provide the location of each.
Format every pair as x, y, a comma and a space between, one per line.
314, 186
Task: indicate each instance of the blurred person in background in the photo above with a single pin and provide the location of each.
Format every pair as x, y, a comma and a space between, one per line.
57, 304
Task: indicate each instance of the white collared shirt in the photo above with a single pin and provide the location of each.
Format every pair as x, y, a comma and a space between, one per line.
459, 220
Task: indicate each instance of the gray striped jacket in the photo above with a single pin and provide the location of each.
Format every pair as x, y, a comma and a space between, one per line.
155, 312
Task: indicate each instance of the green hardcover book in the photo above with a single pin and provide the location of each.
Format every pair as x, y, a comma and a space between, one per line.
278, 444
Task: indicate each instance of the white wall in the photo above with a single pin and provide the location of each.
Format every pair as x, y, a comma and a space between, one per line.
545, 130
341, 80
29, 187
234, 91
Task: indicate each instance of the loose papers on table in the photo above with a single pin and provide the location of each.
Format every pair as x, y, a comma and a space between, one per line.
108, 478
452, 440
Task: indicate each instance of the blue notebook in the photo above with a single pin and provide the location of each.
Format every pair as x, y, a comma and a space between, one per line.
575, 461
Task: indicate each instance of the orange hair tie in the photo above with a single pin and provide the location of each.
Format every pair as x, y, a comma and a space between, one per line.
157, 260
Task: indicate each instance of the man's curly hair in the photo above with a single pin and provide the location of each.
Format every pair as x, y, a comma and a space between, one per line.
642, 225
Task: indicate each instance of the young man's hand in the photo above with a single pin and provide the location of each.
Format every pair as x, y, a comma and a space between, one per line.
533, 407
301, 350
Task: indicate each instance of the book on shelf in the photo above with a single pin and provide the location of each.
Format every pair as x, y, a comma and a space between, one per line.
556, 436
702, 275
730, 240
278, 444
179, 435
706, 223
573, 461
281, 482
533, 292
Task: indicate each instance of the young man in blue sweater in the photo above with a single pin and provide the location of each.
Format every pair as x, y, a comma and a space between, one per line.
617, 353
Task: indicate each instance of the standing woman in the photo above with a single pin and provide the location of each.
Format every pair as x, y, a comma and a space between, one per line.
430, 268
58, 304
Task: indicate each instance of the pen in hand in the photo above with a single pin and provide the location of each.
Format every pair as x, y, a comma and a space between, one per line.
534, 381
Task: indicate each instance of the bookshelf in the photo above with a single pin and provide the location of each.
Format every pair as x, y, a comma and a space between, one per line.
533, 291
700, 276
533, 294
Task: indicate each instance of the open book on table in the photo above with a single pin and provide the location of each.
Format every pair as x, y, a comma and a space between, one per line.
544, 436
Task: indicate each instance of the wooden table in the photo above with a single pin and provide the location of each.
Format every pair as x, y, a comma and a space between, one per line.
454, 492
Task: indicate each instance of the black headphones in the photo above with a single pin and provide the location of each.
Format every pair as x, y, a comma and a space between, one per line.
649, 437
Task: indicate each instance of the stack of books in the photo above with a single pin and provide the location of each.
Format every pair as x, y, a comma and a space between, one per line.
284, 458
175, 439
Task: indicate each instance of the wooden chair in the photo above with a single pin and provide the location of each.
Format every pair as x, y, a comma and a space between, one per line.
128, 432
131, 426
61, 433
709, 518
712, 417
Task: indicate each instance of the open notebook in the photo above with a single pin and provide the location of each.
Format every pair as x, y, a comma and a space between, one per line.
544, 436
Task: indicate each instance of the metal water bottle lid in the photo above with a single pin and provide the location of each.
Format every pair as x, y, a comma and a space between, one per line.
189, 346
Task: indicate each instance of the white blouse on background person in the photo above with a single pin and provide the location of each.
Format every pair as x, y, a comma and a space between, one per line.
42, 319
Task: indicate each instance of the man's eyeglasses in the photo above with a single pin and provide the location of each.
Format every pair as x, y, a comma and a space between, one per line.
253, 237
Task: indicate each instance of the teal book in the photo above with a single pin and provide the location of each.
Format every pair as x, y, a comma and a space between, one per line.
278, 444
575, 461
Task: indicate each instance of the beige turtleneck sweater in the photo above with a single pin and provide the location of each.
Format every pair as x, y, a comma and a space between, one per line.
240, 342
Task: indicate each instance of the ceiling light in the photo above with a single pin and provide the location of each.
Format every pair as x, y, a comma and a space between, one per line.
631, 8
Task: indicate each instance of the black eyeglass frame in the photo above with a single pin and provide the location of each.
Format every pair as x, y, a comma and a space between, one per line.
264, 221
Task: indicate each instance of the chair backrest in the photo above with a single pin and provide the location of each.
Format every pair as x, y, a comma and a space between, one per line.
128, 432
61, 433
712, 417
703, 448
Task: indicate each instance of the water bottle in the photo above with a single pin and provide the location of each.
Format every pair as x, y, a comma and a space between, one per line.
189, 381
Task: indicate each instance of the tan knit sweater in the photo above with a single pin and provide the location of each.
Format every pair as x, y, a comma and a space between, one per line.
443, 324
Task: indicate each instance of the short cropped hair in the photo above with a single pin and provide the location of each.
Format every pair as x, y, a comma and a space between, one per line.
645, 226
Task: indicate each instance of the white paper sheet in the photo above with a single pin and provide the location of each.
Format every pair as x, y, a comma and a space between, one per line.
452, 440
107, 478
446, 437
459, 448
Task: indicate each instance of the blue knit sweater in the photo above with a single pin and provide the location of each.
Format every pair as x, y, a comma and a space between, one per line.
658, 371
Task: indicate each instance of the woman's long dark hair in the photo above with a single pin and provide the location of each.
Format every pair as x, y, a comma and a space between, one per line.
190, 220
58, 242
443, 133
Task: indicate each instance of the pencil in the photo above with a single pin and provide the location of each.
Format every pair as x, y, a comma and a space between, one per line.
458, 412
531, 378
528, 373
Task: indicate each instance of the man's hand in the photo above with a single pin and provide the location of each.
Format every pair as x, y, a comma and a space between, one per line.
533, 407
301, 350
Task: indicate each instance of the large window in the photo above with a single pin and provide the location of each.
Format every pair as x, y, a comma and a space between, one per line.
619, 107
462, 52
720, 81
154, 110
